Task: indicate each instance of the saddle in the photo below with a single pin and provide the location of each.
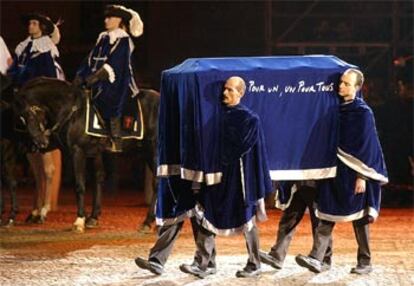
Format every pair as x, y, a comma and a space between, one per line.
132, 124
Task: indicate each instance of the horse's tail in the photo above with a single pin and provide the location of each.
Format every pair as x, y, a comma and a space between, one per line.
150, 99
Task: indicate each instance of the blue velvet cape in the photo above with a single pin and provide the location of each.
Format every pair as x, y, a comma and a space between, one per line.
111, 97
176, 200
359, 154
295, 97
230, 206
32, 64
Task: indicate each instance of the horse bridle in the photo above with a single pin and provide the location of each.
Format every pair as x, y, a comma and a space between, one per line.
34, 109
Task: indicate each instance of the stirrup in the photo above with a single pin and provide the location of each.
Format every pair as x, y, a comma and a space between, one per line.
115, 148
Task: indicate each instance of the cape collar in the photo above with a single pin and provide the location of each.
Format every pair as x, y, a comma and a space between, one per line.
42, 45
113, 35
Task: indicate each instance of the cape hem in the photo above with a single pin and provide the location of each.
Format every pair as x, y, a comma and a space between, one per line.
190, 175
351, 217
166, 170
247, 226
174, 220
279, 204
305, 174
358, 166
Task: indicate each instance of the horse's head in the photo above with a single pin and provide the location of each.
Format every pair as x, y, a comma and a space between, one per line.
45, 104
35, 119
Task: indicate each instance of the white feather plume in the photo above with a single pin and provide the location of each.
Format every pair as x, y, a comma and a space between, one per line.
136, 27
55, 36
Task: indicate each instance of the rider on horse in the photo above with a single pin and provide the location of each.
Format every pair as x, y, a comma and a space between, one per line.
107, 70
35, 57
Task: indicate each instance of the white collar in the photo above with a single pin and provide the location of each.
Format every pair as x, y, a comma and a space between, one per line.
42, 45
113, 35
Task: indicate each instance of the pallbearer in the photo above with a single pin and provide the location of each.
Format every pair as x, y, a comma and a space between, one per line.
355, 194
37, 56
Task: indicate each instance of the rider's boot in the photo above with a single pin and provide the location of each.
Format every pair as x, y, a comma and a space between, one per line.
115, 127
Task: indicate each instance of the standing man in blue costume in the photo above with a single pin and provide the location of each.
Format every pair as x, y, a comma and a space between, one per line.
37, 56
233, 205
108, 71
355, 194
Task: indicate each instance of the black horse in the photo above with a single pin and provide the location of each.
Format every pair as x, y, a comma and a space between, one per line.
56, 108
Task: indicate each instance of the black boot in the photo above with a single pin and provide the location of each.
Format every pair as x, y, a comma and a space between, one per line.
115, 123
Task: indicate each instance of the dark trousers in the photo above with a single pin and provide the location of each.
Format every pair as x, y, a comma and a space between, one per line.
206, 251
168, 234
252, 245
291, 217
205, 255
205, 245
324, 236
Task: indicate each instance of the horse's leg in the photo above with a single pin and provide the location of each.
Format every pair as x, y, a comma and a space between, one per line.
2, 171
92, 221
148, 184
9, 171
79, 161
13, 200
1, 184
37, 168
1, 203
150, 217
150, 159
55, 188
49, 172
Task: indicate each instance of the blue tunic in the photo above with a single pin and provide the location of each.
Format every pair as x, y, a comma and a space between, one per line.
113, 53
230, 206
35, 58
359, 154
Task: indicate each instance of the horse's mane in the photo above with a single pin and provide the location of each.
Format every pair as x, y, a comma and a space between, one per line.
44, 80
46, 87
5, 82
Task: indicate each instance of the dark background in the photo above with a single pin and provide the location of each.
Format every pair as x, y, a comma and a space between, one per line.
371, 34
375, 35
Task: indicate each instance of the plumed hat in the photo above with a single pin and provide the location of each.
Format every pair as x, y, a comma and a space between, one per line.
129, 16
50, 28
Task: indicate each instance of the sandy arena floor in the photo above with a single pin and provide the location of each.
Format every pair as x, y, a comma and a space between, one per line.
50, 254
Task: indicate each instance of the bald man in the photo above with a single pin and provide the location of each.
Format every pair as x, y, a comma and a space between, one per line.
234, 90
232, 206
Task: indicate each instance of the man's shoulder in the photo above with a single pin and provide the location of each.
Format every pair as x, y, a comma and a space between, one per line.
245, 116
357, 105
364, 107
247, 110
362, 112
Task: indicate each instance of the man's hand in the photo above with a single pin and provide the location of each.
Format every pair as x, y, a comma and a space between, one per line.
78, 81
360, 185
100, 74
